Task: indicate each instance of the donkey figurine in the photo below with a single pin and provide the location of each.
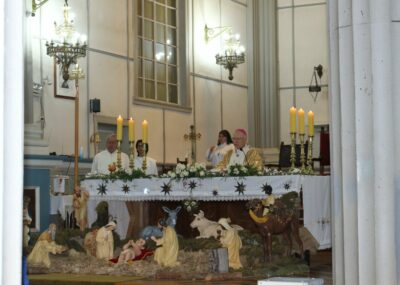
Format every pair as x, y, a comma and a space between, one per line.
155, 231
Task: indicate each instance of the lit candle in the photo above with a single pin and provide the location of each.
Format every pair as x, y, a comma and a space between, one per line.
292, 119
301, 121
145, 129
310, 124
120, 122
131, 129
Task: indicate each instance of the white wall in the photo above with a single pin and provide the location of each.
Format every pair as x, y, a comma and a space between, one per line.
302, 44
216, 102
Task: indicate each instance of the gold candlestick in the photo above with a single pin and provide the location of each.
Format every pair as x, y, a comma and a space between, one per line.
119, 164
302, 153
144, 162
131, 154
292, 150
310, 169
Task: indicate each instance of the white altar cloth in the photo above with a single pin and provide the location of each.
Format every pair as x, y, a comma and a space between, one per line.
316, 196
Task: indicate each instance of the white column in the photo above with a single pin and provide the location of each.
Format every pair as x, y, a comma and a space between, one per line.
364, 140
11, 140
396, 118
383, 140
335, 138
362, 123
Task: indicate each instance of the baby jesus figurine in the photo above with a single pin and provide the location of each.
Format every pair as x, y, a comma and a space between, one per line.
131, 250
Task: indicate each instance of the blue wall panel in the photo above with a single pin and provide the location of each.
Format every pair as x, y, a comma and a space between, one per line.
40, 178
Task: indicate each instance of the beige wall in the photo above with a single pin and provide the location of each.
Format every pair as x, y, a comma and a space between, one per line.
110, 70
216, 103
302, 44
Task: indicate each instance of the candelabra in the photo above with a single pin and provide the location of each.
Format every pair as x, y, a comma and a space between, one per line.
131, 154
119, 164
292, 150
144, 162
310, 169
302, 153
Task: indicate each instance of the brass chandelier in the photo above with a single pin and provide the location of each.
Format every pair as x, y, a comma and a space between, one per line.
68, 46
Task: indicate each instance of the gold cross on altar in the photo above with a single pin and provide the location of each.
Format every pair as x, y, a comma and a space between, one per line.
193, 137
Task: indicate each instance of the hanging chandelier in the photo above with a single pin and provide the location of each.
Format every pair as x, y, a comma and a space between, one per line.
68, 45
233, 52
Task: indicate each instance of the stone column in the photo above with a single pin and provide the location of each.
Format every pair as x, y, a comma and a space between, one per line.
11, 139
363, 142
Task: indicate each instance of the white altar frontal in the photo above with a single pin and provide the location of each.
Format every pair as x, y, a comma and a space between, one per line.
316, 196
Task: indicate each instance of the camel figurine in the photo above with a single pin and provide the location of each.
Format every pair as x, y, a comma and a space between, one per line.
279, 220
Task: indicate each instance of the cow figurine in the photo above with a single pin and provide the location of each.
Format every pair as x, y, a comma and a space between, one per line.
155, 231
206, 227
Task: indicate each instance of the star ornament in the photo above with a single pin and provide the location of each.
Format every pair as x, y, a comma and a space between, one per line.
192, 184
240, 188
286, 186
166, 189
102, 189
267, 189
125, 189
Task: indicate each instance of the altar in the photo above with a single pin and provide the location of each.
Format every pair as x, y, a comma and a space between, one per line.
137, 202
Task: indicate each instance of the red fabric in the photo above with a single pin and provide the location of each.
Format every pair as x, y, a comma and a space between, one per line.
324, 149
143, 255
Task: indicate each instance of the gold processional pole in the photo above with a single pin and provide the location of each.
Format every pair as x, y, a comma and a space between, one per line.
76, 74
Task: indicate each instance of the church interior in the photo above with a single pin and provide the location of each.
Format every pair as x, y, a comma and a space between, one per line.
309, 85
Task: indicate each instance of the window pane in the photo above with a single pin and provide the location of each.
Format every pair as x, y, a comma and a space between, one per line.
139, 27
172, 74
171, 3
173, 94
148, 9
160, 33
149, 89
140, 67
148, 49
149, 69
160, 13
171, 55
171, 17
161, 1
161, 74
140, 87
140, 46
139, 7
160, 52
148, 29
161, 92
171, 36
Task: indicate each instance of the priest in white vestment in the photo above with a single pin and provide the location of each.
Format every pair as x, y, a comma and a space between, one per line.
151, 164
107, 157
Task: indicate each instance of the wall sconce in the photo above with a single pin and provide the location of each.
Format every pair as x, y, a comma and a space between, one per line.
69, 45
36, 5
315, 86
233, 52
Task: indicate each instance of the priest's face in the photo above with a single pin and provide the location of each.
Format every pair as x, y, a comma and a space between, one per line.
111, 144
239, 140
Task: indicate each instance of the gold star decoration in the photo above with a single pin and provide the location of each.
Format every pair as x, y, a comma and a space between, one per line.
102, 189
240, 188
